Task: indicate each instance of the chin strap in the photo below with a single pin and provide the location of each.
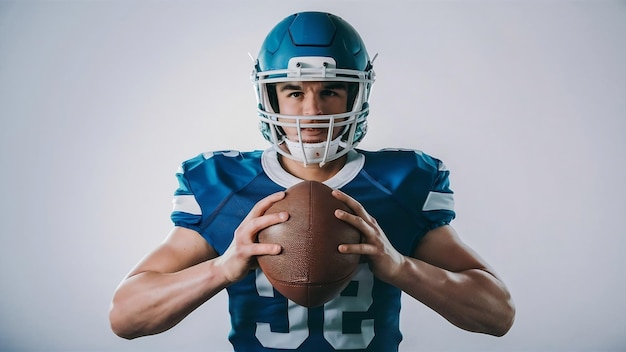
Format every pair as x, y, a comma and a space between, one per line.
313, 153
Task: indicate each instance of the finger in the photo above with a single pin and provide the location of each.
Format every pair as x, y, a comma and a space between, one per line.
261, 206
253, 225
359, 248
352, 203
264, 249
255, 220
355, 220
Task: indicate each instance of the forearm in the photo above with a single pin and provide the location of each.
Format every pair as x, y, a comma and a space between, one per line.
151, 302
473, 299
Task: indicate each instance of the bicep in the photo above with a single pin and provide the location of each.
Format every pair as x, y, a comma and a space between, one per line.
181, 249
443, 248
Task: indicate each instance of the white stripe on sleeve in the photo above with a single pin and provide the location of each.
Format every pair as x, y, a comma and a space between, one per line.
187, 204
439, 201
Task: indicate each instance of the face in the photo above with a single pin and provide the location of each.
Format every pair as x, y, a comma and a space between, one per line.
311, 99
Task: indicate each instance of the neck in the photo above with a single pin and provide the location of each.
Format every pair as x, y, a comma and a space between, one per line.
312, 172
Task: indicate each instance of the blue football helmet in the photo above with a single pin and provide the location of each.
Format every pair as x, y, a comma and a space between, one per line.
313, 46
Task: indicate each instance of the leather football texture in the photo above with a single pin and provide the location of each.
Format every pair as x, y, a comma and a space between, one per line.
310, 271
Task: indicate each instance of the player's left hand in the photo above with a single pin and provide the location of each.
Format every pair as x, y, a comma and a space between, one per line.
384, 260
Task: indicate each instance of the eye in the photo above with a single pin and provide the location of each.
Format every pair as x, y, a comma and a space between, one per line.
295, 94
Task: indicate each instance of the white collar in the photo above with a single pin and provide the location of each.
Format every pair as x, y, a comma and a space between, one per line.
276, 173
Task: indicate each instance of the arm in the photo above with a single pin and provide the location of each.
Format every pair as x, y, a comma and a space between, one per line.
443, 273
184, 272
447, 276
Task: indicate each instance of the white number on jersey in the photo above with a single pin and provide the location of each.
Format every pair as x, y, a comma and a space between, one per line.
333, 317
297, 315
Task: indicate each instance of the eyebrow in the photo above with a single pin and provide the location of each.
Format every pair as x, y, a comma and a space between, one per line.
326, 85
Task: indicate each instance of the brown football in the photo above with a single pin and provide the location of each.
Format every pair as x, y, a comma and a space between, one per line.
309, 270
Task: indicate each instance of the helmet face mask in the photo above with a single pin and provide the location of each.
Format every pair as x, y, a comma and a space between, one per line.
313, 47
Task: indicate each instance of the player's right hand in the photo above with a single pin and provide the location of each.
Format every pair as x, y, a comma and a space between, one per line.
240, 257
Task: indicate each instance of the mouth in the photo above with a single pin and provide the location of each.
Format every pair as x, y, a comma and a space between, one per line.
313, 135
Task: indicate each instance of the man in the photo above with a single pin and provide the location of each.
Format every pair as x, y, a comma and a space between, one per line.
313, 78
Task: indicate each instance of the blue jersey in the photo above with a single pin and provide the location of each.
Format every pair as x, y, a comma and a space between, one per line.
406, 191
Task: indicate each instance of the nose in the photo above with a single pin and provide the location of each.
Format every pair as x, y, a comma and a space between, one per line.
312, 105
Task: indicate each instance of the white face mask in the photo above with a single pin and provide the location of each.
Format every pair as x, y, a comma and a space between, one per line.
314, 69
314, 153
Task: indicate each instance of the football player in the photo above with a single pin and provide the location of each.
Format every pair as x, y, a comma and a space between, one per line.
313, 78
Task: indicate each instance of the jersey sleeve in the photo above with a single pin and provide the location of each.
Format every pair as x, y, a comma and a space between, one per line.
438, 207
186, 211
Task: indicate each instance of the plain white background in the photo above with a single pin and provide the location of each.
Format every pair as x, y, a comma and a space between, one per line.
100, 101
